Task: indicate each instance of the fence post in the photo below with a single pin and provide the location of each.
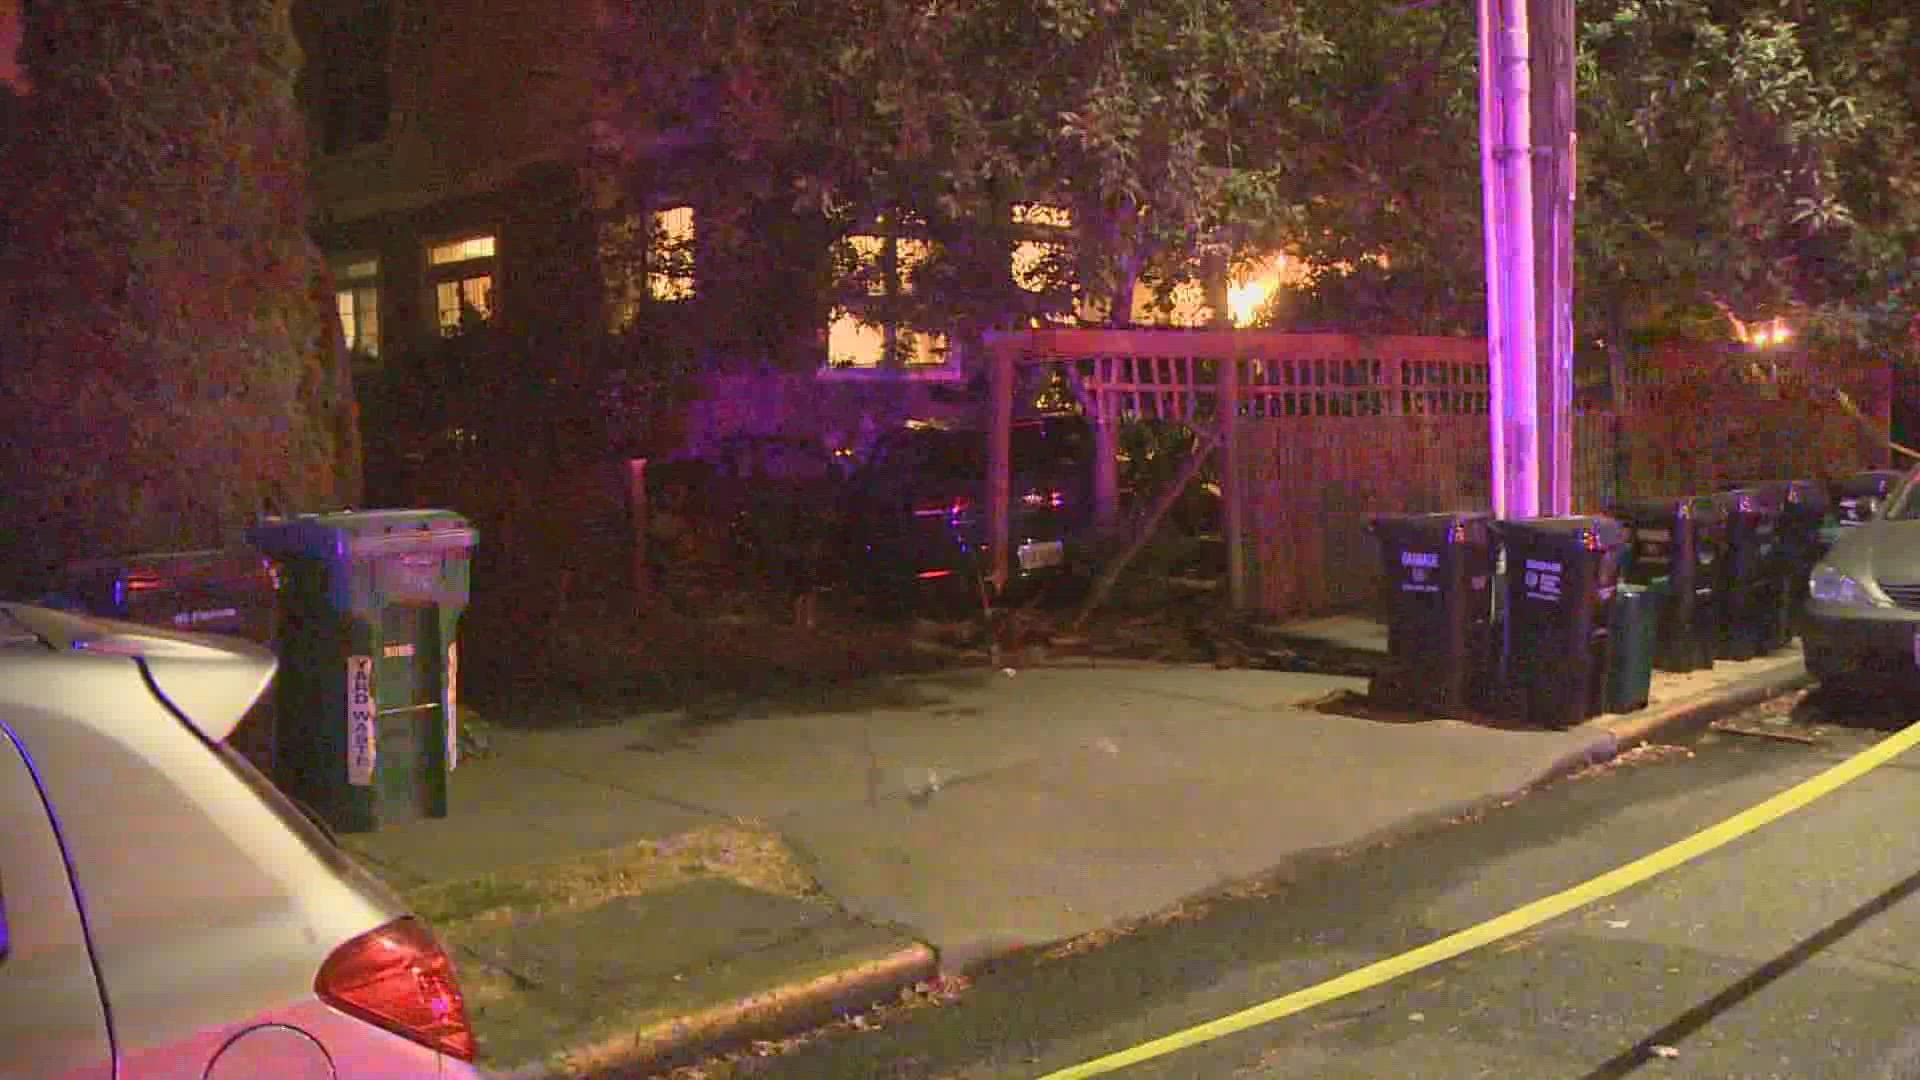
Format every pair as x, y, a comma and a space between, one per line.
1000, 459
1232, 520
639, 518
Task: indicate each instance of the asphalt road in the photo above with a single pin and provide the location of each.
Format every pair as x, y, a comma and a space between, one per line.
1792, 952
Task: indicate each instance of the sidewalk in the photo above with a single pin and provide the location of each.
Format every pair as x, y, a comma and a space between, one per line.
639, 894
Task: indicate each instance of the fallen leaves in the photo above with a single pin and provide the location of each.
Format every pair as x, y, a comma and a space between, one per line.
1644, 754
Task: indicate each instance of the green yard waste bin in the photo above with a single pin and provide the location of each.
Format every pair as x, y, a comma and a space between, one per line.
1632, 634
371, 601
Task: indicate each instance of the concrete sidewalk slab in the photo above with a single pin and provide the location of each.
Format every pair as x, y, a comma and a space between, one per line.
1152, 812
507, 811
620, 982
950, 818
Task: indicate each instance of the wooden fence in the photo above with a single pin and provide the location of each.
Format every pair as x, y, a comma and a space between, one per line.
1335, 429
1332, 430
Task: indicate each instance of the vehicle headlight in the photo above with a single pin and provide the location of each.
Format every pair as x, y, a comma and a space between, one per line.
1829, 585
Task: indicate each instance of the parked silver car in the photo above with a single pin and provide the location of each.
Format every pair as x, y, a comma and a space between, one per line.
1863, 609
164, 911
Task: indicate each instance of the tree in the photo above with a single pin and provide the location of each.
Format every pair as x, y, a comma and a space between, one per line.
1387, 175
1138, 115
172, 366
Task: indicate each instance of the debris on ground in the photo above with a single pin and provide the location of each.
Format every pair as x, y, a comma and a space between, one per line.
1644, 754
928, 993
1779, 732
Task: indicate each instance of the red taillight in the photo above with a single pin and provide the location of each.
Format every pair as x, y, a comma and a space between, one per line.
399, 978
933, 575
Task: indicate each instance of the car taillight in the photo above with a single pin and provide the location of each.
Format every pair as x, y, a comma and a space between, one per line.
399, 978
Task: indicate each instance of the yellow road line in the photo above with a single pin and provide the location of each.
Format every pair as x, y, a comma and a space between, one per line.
1513, 922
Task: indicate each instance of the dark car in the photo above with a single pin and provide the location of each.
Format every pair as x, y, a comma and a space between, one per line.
755, 510
917, 519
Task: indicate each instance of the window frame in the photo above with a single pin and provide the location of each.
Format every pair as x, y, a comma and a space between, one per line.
459, 271
351, 286
852, 302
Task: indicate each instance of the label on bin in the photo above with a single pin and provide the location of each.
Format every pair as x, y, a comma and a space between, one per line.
1543, 580
1419, 566
362, 748
453, 696
195, 618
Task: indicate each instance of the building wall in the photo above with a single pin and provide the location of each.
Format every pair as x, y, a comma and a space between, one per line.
478, 89
544, 269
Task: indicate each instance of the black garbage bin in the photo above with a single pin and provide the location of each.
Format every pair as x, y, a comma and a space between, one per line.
1560, 581
1678, 543
1798, 544
1753, 595
1437, 578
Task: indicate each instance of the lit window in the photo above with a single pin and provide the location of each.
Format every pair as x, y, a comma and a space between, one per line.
357, 299
1188, 305
454, 299
670, 255
1052, 217
869, 253
462, 275
855, 343
1035, 263
880, 267
1040, 253
473, 247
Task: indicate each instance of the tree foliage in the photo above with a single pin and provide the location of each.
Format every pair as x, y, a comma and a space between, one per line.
1755, 157
1137, 115
171, 364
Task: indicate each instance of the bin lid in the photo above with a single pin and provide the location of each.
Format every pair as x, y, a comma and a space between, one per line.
1798, 495
1662, 511
349, 534
1438, 527
1758, 502
1765, 499
1592, 532
1877, 482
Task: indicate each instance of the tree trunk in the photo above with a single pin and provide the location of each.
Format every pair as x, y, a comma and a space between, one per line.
173, 368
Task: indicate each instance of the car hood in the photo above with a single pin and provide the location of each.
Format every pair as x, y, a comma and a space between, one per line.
1887, 551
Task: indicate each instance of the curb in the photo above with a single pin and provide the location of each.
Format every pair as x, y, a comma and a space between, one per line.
1685, 716
768, 1014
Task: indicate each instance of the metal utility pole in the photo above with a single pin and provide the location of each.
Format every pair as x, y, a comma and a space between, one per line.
1551, 29
1506, 170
